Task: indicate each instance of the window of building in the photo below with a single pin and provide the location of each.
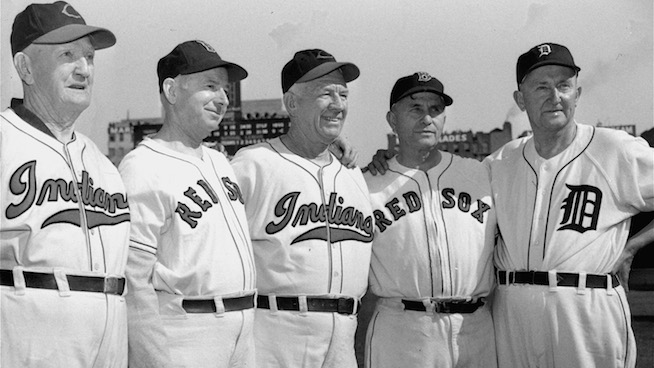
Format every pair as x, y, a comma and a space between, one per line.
121, 137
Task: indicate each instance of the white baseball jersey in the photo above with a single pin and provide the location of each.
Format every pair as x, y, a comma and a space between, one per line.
64, 212
434, 239
570, 213
311, 230
189, 240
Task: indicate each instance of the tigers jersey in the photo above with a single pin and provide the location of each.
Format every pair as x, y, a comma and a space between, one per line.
571, 212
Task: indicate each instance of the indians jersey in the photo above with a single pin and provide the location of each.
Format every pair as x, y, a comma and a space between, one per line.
311, 226
570, 212
63, 205
189, 213
434, 230
64, 212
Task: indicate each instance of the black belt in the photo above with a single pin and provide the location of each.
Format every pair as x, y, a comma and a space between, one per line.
562, 279
291, 303
209, 305
449, 306
38, 280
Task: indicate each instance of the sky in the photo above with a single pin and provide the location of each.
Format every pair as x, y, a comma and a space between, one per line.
469, 45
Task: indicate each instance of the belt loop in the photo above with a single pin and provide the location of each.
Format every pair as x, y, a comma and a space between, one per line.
429, 306
272, 304
508, 277
62, 282
302, 304
220, 306
581, 287
19, 280
355, 307
609, 284
551, 278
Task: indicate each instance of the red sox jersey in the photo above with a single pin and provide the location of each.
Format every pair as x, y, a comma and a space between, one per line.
311, 227
571, 212
179, 205
188, 214
434, 230
64, 211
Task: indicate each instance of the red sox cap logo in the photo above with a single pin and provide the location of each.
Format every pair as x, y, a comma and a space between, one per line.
207, 46
424, 77
69, 11
544, 49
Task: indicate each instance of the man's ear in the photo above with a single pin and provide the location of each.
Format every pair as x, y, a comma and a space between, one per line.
290, 102
23, 65
392, 120
169, 90
519, 100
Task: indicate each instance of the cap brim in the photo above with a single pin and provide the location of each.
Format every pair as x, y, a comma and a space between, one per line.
549, 62
446, 99
235, 72
101, 38
349, 70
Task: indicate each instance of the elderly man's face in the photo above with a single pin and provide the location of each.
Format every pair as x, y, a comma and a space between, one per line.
549, 95
63, 74
322, 107
418, 120
202, 101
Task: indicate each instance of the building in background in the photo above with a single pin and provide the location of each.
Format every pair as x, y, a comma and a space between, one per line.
245, 123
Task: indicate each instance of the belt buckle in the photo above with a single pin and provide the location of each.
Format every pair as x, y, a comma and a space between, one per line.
110, 285
343, 306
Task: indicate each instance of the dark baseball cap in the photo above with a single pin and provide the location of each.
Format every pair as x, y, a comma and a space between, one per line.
54, 24
193, 57
308, 65
541, 55
418, 82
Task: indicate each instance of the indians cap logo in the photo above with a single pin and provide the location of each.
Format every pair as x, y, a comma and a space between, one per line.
324, 55
424, 77
69, 11
206, 46
544, 50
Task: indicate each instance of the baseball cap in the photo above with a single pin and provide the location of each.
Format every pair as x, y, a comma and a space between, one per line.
541, 55
418, 82
55, 24
193, 57
308, 65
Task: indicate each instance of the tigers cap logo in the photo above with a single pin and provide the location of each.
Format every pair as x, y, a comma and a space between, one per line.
544, 50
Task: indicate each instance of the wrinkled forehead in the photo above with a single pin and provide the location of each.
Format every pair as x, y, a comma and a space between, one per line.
550, 73
215, 75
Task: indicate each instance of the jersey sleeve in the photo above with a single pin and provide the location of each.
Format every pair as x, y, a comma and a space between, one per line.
627, 162
148, 204
147, 338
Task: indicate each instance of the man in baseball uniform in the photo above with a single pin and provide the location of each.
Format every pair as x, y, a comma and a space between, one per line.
310, 221
65, 221
434, 235
190, 268
564, 199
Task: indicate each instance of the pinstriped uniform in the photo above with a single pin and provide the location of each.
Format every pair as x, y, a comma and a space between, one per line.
570, 213
311, 230
189, 225
64, 210
434, 239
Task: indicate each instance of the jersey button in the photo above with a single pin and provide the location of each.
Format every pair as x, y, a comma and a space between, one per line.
336, 274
